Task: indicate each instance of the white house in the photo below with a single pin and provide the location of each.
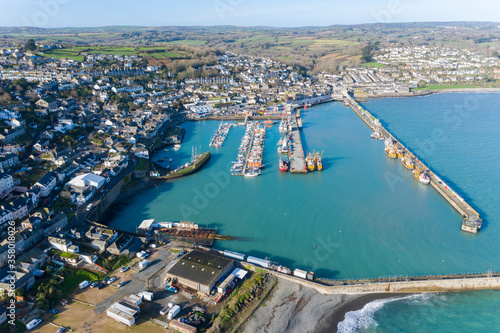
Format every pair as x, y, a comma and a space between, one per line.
47, 183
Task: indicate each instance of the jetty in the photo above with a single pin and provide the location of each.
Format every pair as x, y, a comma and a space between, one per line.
471, 219
296, 152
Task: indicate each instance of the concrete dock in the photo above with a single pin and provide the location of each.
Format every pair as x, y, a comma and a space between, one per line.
472, 221
296, 154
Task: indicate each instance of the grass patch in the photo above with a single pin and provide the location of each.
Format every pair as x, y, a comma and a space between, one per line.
446, 86
142, 165
71, 281
69, 255
191, 42
374, 65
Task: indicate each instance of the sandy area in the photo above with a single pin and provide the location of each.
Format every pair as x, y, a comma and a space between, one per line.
294, 308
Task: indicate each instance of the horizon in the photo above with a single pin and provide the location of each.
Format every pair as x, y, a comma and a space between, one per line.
157, 13
249, 26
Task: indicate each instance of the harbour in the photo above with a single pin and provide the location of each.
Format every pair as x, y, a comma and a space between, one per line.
471, 219
269, 230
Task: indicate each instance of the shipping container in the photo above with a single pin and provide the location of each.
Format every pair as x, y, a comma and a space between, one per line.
234, 255
173, 312
222, 287
259, 262
300, 273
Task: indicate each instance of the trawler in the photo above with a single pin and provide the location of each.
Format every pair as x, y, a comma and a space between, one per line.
319, 161
390, 151
311, 165
407, 162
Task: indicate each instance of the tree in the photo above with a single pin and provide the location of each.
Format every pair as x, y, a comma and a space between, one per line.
30, 45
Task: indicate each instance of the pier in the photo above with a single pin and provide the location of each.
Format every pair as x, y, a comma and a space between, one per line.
472, 221
296, 153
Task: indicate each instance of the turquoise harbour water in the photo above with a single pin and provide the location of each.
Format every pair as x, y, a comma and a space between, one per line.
365, 214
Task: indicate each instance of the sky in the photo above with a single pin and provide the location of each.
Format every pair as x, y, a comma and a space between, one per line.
276, 13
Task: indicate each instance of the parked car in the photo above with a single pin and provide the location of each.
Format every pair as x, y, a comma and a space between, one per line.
94, 284
61, 330
124, 269
101, 285
106, 279
121, 283
64, 302
110, 281
54, 311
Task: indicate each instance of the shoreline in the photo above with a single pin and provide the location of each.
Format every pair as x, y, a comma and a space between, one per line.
330, 321
303, 309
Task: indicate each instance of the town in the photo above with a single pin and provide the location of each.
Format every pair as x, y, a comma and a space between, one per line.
78, 132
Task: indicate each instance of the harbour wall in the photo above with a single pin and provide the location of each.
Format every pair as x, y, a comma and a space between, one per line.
472, 221
431, 285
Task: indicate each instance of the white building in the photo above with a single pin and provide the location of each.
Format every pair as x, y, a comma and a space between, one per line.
88, 179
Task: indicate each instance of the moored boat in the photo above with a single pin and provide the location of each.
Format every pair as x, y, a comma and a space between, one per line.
407, 162
283, 165
390, 151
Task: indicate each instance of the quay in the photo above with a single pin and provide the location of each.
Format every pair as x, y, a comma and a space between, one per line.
387, 284
472, 221
191, 168
296, 153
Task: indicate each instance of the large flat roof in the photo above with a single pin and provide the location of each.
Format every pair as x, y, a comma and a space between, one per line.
201, 267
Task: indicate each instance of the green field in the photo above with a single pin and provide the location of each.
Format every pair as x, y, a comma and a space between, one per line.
190, 42
331, 42
374, 65
256, 39
446, 86
156, 52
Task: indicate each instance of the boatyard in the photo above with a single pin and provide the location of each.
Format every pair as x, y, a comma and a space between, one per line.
394, 149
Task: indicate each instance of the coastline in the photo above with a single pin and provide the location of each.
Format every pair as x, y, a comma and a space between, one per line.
330, 321
303, 309
464, 90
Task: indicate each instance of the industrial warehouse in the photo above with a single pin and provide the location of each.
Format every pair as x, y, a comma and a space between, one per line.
200, 270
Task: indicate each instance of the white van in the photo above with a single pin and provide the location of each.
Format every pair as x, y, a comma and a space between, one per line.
33, 323
84, 284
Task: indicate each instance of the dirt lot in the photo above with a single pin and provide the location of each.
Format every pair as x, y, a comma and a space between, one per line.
94, 295
83, 319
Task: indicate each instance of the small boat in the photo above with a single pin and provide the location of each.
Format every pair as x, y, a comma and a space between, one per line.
311, 165
160, 160
319, 161
177, 146
283, 165
252, 174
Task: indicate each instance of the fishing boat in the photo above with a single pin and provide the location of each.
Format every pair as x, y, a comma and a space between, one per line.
311, 166
252, 174
283, 165
407, 162
319, 161
390, 151
299, 122
421, 176
400, 153
269, 121
375, 135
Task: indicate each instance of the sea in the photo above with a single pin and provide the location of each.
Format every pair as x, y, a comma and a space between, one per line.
363, 216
